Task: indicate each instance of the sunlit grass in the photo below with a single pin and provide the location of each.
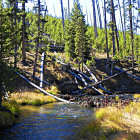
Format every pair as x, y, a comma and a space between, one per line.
31, 98
136, 95
115, 123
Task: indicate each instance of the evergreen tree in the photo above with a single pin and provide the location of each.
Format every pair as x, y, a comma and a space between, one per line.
76, 44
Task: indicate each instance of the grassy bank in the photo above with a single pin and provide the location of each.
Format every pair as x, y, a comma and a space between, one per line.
31, 98
115, 123
9, 113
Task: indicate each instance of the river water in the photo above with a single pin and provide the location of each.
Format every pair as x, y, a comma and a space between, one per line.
56, 121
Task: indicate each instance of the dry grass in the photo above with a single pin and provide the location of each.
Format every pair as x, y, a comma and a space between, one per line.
115, 123
31, 98
125, 118
137, 96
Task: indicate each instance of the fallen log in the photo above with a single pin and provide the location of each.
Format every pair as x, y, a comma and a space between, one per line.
42, 90
92, 86
83, 80
37, 78
138, 78
97, 83
95, 79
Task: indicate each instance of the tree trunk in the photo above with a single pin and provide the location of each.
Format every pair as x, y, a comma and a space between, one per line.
15, 35
99, 13
131, 31
68, 8
138, 16
124, 15
114, 22
23, 34
112, 27
137, 48
122, 25
94, 17
61, 1
38, 39
116, 34
106, 30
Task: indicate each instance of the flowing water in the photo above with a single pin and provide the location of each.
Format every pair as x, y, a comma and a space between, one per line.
49, 122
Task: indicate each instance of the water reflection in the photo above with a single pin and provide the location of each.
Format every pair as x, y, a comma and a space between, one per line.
49, 122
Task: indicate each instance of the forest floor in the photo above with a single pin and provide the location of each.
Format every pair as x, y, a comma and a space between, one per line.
61, 82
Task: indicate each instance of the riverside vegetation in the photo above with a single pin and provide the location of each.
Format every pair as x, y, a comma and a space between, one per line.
115, 122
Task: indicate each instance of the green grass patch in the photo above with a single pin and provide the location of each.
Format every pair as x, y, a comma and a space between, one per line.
12, 106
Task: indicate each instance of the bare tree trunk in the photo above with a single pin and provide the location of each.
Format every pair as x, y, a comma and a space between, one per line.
138, 16
38, 39
15, 35
87, 15
112, 27
61, 1
94, 17
99, 13
116, 34
23, 34
124, 14
122, 25
114, 23
131, 31
68, 8
137, 51
106, 30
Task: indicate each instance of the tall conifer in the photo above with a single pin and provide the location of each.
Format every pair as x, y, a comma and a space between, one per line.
76, 44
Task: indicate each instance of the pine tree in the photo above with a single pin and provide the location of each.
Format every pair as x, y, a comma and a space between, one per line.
69, 39
76, 44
